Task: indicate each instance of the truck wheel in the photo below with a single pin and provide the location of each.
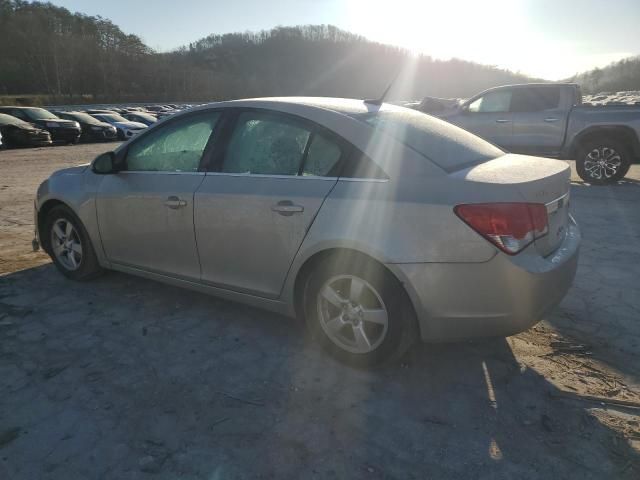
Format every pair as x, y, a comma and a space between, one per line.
603, 161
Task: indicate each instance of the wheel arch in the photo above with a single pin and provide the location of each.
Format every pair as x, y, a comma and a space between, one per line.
621, 133
308, 265
44, 210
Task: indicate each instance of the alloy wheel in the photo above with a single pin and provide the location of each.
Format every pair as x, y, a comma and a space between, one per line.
66, 244
352, 314
602, 163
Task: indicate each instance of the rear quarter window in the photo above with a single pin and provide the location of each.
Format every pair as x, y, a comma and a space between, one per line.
446, 145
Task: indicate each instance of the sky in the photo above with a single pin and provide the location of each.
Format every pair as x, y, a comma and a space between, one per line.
550, 39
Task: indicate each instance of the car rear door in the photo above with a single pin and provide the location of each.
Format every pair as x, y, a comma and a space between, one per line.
488, 116
539, 120
253, 211
145, 212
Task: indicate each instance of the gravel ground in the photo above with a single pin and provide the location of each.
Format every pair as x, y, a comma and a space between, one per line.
127, 378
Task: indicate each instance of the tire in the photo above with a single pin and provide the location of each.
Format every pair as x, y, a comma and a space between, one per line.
614, 155
74, 264
358, 337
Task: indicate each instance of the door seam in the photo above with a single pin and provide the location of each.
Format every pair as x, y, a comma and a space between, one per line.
293, 259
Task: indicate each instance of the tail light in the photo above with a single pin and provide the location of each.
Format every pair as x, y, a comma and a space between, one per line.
509, 226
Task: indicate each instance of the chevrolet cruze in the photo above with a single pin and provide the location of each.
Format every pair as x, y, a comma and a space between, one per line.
377, 225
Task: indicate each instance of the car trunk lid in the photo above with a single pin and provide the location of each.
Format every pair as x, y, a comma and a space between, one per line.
538, 180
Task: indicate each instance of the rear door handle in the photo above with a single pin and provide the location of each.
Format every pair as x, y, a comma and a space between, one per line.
550, 119
175, 202
502, 120
287, 208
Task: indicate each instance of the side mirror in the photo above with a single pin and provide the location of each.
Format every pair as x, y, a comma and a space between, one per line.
104, 164
464, 109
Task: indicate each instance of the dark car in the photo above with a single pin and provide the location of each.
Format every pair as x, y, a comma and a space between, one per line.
18, 133
141, 117
93, 130
62, 131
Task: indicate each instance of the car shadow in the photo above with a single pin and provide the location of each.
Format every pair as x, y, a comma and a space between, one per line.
122, 375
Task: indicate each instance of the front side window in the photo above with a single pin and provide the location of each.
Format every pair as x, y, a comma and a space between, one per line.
492, 102
266, 144
177, 147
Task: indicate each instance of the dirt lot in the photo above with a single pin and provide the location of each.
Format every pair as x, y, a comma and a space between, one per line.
125, 378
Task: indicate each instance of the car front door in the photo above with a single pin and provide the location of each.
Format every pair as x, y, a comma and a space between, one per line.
253, 212
145, 212
488, 116
539, 120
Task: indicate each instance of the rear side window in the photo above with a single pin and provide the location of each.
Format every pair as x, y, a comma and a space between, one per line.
532, 99
446, 145
266, 144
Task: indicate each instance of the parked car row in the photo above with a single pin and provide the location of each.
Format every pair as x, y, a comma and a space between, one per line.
37, 127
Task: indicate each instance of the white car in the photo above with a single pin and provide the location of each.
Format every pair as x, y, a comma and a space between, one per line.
125, 128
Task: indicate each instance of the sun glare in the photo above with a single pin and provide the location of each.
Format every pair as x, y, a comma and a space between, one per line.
492, 32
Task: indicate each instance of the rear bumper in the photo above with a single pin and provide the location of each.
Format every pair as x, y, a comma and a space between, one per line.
501, 297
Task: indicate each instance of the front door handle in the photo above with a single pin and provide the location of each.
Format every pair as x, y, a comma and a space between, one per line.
287, 208
174, 203
550, 119
502, 120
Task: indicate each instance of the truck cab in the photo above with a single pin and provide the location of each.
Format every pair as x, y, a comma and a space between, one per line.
529, 118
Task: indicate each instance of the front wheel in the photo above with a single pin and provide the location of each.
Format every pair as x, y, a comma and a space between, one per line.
358, 311
69, 245
603, 161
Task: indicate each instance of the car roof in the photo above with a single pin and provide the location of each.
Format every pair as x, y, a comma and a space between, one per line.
348, 106
3, 107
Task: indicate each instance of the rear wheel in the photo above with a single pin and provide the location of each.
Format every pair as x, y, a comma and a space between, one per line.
358, 311
69, 245
603, 161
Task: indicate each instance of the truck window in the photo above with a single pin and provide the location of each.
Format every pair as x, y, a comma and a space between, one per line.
535, 99
492, 102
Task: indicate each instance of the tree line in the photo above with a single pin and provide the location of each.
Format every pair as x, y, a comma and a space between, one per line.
45, 49
616, 77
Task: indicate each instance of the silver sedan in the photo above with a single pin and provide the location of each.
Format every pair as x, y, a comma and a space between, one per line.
376, 224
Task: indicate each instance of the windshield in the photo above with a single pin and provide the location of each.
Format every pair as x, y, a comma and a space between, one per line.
111, 117
9, 120
82, 117
145, 116
39, 114
448, 146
